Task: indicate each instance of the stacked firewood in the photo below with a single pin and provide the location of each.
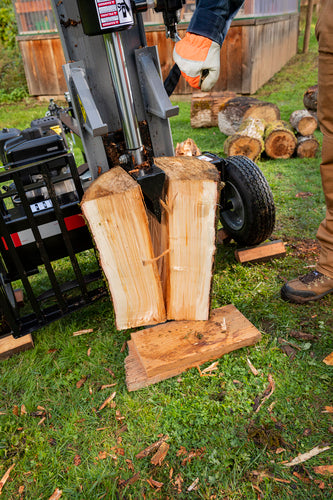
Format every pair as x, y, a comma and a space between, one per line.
255, 126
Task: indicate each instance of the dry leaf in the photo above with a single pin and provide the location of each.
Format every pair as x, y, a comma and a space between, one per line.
15, 410
154, 484
152, 447
327, 470
42, 420
21, 489
110, 371
5, 477
123, 347
160, 455
320, 484
81, 332
304, 194
194, 485
102, 455
329, 359
129, 464
107, 401
40, 408
129, 481
179, 483
306, 456
210, 368
50, 351
77, 460
80, 383
252, 368
23, 410
57, 494
89, 351
279, 450
301, 477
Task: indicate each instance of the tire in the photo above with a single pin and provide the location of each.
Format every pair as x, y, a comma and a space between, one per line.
247, 210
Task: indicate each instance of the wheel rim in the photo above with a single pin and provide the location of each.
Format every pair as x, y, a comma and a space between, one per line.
233, 212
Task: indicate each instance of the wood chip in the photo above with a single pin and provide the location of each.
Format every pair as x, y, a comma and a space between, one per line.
82, 332
56, 494
131, 480
327, 470
5, 477
210, 368
268, 392
42, 420
328, 409
154, 484
15, 410
107, 386
160, 455
23, 410
107, 401
252, 368
306, 456
329, 359
89, 351
194, 485
152, 447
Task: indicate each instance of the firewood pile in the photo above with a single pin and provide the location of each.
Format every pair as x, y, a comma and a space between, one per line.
255, 127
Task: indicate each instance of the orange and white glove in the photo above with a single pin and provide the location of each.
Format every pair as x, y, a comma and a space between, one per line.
198, 59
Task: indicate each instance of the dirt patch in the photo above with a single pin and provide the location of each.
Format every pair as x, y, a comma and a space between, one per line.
305, 248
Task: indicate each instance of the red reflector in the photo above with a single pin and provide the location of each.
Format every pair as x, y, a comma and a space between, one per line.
74, 222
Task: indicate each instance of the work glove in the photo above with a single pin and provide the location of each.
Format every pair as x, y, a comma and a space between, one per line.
198, 59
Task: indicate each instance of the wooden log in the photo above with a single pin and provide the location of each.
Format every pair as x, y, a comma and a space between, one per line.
205, 107
303, 122
189, 220
280, 140
310, 98
307, 146
114, 208
10, 346
248, 141
164, 351
234, 111
187, 148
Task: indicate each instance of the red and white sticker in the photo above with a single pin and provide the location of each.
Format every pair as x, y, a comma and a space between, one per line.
46, 231
114, 13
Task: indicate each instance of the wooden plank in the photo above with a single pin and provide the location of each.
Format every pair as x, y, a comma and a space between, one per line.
114, 208
261, 253
10, 346
178, 345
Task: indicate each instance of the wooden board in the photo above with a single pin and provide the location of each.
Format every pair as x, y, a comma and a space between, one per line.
10, 346
163, 351
261, 253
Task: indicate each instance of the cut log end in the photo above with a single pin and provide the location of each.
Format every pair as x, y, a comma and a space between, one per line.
307, 147
245, 146
280, 145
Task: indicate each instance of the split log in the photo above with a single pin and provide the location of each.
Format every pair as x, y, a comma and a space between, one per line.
303, 122
307, 146
187, 148
248, 141
205, 107
189, 221
114, 208
280, 140
234, 111
310, 98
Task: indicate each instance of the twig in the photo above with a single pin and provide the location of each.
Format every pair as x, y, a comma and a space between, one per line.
272, 389
306, 456
5, 477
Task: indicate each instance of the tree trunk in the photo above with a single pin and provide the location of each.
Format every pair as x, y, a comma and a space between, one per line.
303, 122
280, 140
248, 141
188, 229
307, 147
114, 208
234, 111
310, 98
205, 107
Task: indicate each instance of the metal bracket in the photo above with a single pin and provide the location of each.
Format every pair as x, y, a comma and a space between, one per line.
92, 121
154, 94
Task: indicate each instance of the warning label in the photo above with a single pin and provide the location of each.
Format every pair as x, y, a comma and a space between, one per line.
114, 13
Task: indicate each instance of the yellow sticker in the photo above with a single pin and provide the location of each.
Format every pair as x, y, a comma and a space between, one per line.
83, 111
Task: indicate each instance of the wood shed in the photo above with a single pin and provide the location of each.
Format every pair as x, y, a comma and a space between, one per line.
261, 40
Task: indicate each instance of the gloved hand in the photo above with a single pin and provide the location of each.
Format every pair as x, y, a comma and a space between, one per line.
198, 59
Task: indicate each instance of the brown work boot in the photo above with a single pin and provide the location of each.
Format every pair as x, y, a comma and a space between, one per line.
311, 286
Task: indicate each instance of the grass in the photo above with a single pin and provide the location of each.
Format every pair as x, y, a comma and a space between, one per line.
234, 449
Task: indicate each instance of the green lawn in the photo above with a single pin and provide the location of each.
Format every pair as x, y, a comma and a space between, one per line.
55, 434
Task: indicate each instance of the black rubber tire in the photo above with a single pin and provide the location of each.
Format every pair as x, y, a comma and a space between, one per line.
247, 210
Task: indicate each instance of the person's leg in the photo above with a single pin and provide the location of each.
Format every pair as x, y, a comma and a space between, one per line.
319, 283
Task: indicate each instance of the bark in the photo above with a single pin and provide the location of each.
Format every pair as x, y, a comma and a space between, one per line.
310, 98
303, 122
234, 111
205, 107
307, 147
248, 141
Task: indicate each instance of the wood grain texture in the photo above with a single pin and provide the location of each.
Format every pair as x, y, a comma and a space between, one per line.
9, 345
113, 206
261, 253
175, 346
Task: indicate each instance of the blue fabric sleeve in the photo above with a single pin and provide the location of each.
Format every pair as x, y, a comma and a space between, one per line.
212, 18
